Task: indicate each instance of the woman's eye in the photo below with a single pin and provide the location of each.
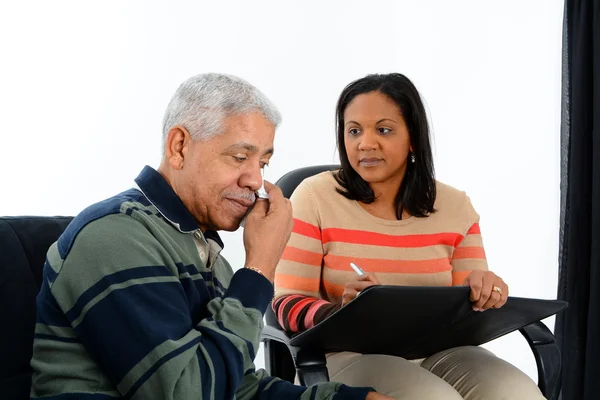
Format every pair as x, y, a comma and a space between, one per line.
354, 131
384, 130
240, 158
264, 164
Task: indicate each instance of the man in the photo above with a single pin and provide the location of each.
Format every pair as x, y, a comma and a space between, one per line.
137, 301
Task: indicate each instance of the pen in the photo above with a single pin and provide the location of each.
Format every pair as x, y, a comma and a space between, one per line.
357, 269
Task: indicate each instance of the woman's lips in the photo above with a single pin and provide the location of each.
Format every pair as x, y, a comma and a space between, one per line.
370, 162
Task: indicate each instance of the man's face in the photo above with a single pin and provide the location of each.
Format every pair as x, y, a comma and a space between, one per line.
220, 175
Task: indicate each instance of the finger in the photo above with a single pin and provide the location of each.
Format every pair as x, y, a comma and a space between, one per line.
369, 276
373, 278
288, 205
349, 295
473, 275
486, 290
276, 199
291, 224
494, 298
475, 282
362, 278
359, 285
504, 296
260, 208
352, 285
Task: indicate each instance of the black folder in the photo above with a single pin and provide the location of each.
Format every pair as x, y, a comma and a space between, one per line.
416, 322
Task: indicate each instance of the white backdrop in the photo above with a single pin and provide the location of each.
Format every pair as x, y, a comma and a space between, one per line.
83, 86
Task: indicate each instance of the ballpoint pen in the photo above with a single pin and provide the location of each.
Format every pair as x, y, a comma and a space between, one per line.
357, 269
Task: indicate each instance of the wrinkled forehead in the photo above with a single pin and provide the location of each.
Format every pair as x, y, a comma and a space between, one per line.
249, 133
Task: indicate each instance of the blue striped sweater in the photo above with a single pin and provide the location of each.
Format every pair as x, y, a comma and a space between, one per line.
128, 309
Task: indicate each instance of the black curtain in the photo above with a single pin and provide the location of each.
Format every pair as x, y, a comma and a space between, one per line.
578, 328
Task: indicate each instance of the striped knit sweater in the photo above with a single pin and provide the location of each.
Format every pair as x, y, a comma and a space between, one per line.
331, 231
129, 309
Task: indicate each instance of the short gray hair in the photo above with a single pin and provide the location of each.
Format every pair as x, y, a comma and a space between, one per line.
202, 102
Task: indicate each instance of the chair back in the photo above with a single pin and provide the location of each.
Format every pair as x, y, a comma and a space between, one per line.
288, 183
24, 242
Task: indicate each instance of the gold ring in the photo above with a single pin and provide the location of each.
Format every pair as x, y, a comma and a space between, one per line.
497, 289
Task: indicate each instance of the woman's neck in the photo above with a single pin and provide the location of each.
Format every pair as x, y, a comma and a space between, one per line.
384, 205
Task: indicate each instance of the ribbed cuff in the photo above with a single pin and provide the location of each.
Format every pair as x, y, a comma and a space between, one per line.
352, 393
251, 289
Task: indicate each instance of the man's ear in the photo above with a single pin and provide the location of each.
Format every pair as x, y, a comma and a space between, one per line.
178, 141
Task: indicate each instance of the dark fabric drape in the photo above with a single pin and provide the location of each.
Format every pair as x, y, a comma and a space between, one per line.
578, 328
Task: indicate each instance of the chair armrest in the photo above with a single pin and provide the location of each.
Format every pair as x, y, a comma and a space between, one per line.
547, 357
537, 334
272, 333
311, 364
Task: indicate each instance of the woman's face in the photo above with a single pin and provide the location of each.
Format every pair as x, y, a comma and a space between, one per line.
376, 138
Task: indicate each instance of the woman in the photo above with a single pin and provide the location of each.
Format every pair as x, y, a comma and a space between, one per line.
384, 211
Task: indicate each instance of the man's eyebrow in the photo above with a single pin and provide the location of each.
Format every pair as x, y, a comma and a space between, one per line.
249, 148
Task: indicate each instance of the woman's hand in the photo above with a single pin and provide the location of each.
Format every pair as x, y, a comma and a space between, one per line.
353, 288
488, 290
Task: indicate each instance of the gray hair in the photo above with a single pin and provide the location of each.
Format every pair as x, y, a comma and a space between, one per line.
202, 102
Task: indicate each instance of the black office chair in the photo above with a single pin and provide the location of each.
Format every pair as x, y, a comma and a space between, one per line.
24, 242
285, 360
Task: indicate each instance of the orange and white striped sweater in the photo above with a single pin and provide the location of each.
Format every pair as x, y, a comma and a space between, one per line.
331, 231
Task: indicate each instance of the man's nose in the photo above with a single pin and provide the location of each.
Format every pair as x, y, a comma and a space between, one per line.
252, 178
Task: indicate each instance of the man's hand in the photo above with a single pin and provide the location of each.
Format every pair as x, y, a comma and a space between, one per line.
487, 290
377, 396
267, 230
353, 288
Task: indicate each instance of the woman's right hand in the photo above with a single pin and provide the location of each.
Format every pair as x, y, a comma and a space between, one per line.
353, 288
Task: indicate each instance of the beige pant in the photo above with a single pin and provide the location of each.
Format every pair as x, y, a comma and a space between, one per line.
471, 373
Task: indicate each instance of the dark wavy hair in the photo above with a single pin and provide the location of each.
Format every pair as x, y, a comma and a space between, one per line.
417, 192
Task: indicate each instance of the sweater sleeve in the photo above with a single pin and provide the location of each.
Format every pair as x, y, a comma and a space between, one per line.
469, 254
298, 276
122, 294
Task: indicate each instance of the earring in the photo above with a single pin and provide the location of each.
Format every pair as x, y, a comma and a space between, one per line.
413, 159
